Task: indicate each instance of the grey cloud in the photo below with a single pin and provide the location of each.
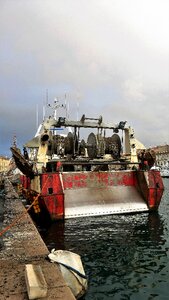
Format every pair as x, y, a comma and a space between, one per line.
111, 52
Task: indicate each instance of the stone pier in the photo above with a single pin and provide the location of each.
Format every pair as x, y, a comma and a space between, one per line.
22, 245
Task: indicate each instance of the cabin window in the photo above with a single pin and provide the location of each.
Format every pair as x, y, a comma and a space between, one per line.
50, 191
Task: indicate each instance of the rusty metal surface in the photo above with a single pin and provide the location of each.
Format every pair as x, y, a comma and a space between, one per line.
87, 193
77, 180
151, 187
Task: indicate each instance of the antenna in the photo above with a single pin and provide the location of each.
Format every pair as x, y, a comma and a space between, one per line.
56, 106
45, 105
77, 111
68, 110
47, 98
66, 105
37, 117
44, 112
14, 141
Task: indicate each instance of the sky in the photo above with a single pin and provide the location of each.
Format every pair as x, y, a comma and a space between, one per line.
107, 57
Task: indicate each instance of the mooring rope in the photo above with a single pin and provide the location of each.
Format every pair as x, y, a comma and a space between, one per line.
72, 269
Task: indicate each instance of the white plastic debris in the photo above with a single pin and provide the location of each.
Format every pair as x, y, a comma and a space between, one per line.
72, 270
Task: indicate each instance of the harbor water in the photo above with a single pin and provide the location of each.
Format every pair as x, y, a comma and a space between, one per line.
125, 257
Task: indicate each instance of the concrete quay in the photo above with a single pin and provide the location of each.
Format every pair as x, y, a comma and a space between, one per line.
22, 245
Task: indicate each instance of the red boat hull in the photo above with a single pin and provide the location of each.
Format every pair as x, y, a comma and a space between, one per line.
79, 194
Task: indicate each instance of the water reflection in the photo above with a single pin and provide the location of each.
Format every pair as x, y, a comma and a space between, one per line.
119, 229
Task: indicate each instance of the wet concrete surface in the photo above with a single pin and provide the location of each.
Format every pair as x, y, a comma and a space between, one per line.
21, 245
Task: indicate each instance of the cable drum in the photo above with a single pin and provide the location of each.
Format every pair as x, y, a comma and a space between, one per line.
113, 146
82, 146
69, 144
92, 146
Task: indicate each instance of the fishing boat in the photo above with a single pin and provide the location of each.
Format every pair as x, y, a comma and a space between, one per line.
105, 172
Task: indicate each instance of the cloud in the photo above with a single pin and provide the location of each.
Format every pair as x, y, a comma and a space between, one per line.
115, 54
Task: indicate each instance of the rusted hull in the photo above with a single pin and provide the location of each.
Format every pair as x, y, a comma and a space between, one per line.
79, 194
150, 186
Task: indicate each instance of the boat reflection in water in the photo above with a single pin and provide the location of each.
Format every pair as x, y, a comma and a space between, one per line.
74, 232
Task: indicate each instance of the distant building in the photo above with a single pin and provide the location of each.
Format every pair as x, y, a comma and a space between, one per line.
4, 163
162, 156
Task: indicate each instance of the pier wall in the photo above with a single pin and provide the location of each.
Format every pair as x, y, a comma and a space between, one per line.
21, 244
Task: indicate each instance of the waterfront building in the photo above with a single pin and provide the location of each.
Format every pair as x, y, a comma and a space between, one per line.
4, 163
162, 156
